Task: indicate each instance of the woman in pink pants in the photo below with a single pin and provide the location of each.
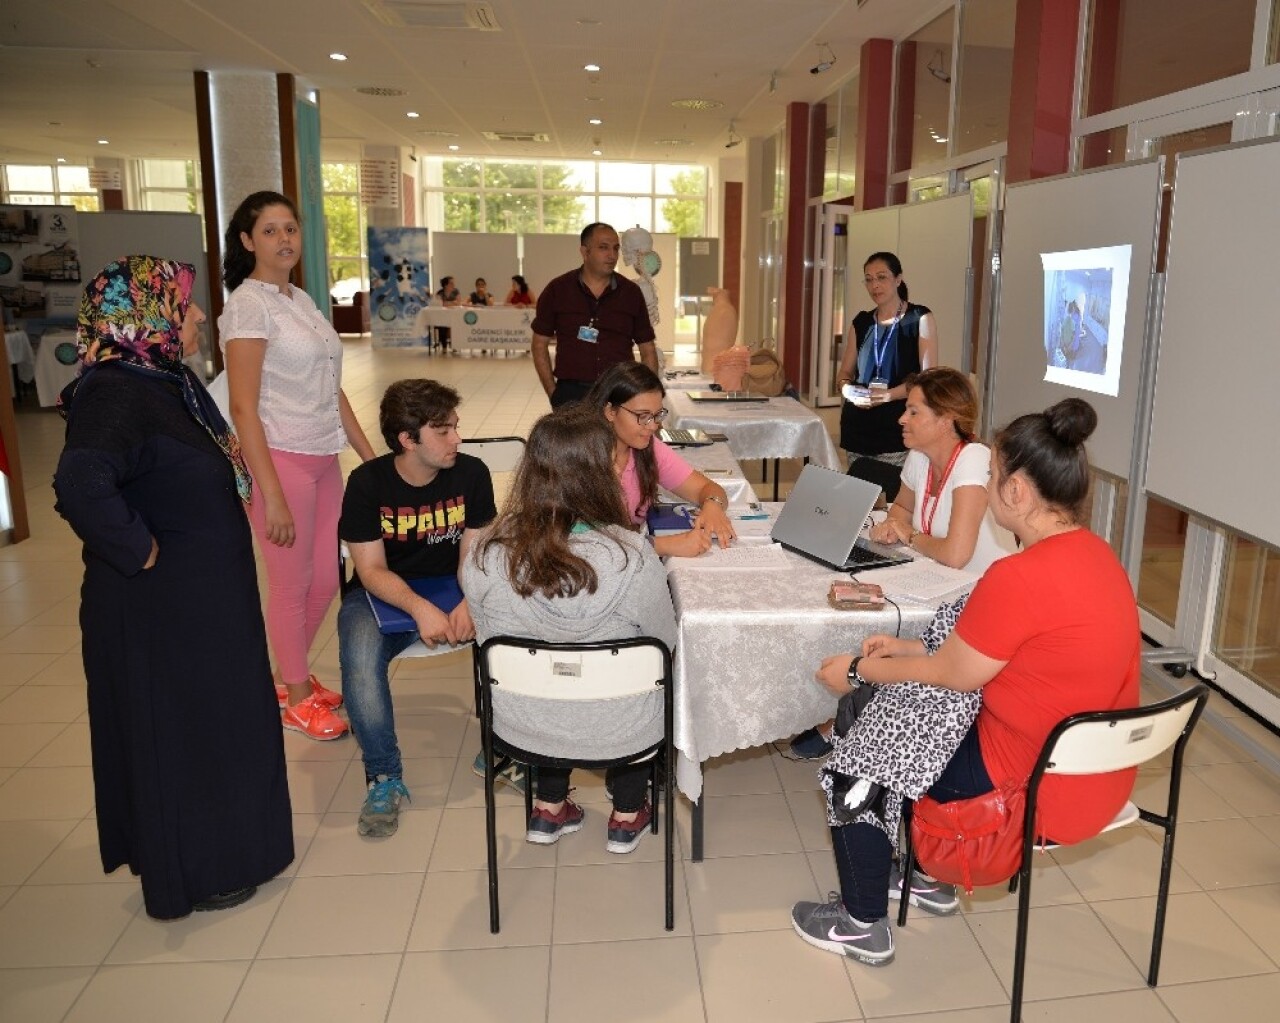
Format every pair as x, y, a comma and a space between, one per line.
284, 374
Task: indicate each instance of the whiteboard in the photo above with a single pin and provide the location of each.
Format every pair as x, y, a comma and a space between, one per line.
1111, 206
935, 244
1213, 431
464, 256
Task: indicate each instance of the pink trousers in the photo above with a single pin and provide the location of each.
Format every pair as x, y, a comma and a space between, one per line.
302, 579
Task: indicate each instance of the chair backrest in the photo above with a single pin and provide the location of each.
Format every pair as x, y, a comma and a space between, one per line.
500, 454
1104, 741
575, 671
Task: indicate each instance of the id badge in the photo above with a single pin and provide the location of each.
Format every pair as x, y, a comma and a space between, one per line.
589, 334
878, 382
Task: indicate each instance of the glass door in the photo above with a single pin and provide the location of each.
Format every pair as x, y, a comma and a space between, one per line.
830, 223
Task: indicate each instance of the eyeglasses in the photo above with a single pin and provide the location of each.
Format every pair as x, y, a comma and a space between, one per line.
645, 418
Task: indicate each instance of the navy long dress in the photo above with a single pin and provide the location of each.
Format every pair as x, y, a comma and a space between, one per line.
188, 760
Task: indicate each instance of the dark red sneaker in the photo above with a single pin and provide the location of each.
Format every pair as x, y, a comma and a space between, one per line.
624, 836
545, 827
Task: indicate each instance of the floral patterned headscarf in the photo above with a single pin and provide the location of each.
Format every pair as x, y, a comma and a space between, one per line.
132, 312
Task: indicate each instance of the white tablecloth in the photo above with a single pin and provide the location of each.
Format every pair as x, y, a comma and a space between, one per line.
749, 643
57, 348
775, 428
685, 380
21, 355
491, 328
718, 456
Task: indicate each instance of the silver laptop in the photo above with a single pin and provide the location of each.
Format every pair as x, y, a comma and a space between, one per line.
679, 438
725, 396
822, 518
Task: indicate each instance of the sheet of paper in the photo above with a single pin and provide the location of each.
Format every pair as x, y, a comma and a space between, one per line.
739, 556
923, 581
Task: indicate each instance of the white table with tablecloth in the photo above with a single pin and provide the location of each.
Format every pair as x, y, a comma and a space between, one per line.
56, 364
480, 328
773, 428
22, 356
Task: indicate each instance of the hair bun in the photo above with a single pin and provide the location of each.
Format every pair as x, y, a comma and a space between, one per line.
1071, 421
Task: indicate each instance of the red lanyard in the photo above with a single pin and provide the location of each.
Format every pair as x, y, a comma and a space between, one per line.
927, 513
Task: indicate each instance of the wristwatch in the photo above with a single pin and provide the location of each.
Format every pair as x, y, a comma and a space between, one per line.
854, 678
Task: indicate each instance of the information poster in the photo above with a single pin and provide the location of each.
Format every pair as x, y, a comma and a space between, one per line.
39, 261
399, 284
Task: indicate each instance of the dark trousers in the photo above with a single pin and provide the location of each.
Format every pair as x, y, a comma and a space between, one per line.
864, 853
627, 782
567, 391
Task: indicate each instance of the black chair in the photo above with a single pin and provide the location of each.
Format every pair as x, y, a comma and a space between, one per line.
619, 670
1100, 742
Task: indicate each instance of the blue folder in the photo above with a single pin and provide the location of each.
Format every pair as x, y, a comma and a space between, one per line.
442, 590
665, 519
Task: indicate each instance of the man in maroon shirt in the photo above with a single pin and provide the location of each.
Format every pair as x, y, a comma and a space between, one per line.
594, 316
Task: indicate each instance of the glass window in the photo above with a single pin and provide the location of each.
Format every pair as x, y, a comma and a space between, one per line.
932, 187
986, 74
461, 173
684, 217
675, 179
84, 203
847, 174
462, 211
575, 176
567, 214
1247, 632
1104, 148
1164, 540
626, 177
24, 178
1140, 49
510, 213
510, 175
624, 211
924, 93
169, 202
74, 179
32, 200
167, 174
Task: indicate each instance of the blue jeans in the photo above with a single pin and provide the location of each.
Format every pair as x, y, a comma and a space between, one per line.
365, 655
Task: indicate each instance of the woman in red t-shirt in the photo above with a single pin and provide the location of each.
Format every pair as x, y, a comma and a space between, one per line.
1048, 632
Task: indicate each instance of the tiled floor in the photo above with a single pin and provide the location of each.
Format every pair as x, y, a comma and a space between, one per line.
397, 929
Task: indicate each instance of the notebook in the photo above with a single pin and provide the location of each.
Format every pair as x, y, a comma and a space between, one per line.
441, 590
725, 396
666, 519
823, 517
685, 438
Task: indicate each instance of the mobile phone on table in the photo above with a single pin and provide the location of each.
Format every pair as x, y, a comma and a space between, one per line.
850, 596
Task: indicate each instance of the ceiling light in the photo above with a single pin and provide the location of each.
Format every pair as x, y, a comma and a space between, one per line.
673, 142
597, 152
379, 90
337, 56
697, 104
63, 159
826, 59
104, 142
413, 114
595, 120
454, 147
591, 67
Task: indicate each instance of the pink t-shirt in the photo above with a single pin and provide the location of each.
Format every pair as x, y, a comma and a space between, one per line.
672, 472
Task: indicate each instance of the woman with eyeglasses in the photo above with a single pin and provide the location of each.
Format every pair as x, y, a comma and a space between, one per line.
630, 396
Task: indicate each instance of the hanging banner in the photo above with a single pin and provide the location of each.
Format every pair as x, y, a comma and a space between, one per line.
399, 285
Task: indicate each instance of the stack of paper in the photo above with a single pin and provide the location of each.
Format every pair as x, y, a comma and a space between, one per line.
922, 581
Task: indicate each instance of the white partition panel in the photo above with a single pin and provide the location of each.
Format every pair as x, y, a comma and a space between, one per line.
465, 256
1213, 428
872, 231
1114, 206
108, 236
547, 256
935, 244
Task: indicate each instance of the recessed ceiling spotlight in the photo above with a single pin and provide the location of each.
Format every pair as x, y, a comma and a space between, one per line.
595, 120
597, 152
591, 67
587, 22
697, 104
337, 56
55, 124
104, 142
673, 142
595, 99
454, 147
413, 114
62, 159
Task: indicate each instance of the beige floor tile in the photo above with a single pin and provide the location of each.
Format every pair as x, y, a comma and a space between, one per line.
41, 995
1246, 787
1120, 865
1050, 886
202, 937
305, 826
67, 670
742, 826
1121, 1007
7, 892
797, 775
453, 910
1196, 802
24, 846
1069, 952
32, 704
427, 779
1269, 826
17, 668
1222, 854
988, 1014
809, 813
460, 985
337, 848
47, 793
298, 747
460, 844
65, 925
312, 783
19, 743
326, 916
65, 614
747, 893
585, 981
744, 773
41, 639
466, 789
822, 865
742, 980
616, 902
329, 989
77, 860
1247, 1000
1201, 942
1209, 746
192, 992
69, 748
431, 735
942, 949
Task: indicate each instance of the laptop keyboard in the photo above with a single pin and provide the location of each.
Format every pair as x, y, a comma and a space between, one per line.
681, 437
863, 556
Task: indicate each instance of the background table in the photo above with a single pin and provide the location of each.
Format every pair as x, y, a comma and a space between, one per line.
719, 456
477, 328
21, 356
53, 372
773, 428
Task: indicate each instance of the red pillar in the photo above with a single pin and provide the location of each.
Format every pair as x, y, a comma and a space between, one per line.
1042, 89
875, 104
731, 242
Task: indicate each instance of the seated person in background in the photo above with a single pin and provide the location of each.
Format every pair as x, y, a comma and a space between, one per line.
409, 514
941, 508
630, 397
481, 295
564, 564
1048, 632
520, 293
449, 296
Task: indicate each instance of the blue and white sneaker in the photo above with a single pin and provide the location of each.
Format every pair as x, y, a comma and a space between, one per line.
380, 815
828, 926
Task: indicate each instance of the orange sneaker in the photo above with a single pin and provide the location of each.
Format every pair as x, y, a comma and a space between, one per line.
314, 720
330, 698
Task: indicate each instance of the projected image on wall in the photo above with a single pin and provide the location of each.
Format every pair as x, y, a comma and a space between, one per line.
1085, 293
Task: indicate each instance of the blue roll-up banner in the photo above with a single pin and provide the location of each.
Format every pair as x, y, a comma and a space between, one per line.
399, 284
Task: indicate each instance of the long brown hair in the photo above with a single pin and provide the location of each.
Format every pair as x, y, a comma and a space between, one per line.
948, 392
566, 476
619, 384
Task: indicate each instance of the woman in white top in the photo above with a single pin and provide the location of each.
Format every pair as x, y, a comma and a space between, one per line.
941, 508
284, 374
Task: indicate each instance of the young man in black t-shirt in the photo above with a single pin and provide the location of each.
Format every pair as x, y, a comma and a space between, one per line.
408, 515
